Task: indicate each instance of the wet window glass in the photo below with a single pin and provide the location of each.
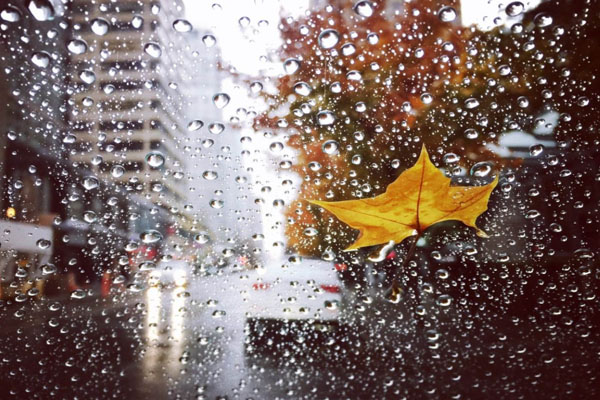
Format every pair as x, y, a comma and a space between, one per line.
304, 199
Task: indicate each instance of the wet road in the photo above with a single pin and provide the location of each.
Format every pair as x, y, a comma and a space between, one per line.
190, 343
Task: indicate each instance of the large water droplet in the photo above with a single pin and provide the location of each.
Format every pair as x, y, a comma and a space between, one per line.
447, 14
328, 38
87, 76
221, 100
481, 169
182, 25
216, 128
363, 8
209, 40
117, 171
536, 149
291, 65
202, 237
210, 175
100, 26
302, 88
77, 46
41, 59
330, 147
155, 159
137, 21
325, 118
43, 244
153, 49
150, 236
348, 49
543, 20
42, 10
90, 182
515, 8
10, 14
195, 125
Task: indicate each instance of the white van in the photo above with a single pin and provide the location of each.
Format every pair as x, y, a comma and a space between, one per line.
296, 301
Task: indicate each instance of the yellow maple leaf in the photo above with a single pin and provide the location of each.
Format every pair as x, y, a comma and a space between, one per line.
420, 197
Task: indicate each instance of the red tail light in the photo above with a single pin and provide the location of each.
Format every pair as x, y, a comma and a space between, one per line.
260, 286
331, 288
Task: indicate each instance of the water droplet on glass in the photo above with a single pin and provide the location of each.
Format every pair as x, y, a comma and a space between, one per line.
325, 118
43, 244
195, 125
182, 25
89, 216
328, 38
291, 65
302, 88
150, 236
523, 102
153, 49
444, 300
100, 26
256, 87
202, 237
87, 76
310, 232
209, 175
276, 147
515, 8
221, 100
471, 103
348, 49
451, 158
209, 40
426, 98
330, 147
481, 169
42, 10
10, 14
137, 21
447, 14
48, 269
373, 38
77, 46
41, 59
363, 8
217, 204
536, 149
155, 159
216, 128
542, 20
90, 182
244, 22
471, 133
117, 171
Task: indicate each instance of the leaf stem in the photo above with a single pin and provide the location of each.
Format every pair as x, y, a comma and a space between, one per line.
409, 256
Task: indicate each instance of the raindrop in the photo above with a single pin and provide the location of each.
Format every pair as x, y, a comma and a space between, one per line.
426, 98
276, 147
202, 237
87, 76
302, 88
41, 10
451, 158
182, 25
291, 65
90, 182
195, 125
471, 133
325, 118
137, 22
100, 26
77, 46
536, 149
153, 49
348, 49
78, 294
330, 147
209, 175
117, 171
543, 20
481, 169
244, 22
471, 103
328, 38
216, 128
373, 38
48, 269
447, 14
221, 100
256, 87
146, 266
444, 300
10, 14
217, 204
41, 59
150, 236
363, 8
310, 232
155, 159
43, 244
523, 102
209, 40
515, 8
89, 217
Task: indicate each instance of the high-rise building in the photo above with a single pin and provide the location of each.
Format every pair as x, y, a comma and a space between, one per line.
126, 110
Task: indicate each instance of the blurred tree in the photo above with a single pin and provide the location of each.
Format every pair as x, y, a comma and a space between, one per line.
376, 82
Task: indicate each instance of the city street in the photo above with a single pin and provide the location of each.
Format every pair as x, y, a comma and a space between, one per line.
190, 343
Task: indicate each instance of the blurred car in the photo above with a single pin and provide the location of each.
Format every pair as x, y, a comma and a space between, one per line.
294, 302
172, 273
